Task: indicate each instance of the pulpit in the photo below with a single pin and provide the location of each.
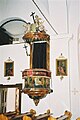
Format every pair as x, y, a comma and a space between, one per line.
38, 77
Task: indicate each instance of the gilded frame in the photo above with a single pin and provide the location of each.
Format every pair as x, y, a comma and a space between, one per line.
61, 67
8, 68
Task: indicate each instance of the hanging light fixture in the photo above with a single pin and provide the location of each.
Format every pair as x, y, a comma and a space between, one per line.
38, 77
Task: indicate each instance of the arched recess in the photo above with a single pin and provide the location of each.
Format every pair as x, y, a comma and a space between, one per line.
11, 30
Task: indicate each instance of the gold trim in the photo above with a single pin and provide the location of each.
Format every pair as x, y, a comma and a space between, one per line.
48, 57
31, 56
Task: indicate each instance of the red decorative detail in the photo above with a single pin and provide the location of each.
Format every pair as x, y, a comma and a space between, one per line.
29, 72
36, 72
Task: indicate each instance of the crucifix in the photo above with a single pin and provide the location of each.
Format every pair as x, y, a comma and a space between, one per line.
32, 14
75, 91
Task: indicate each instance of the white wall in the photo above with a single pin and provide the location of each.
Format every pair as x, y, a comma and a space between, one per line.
11, 99
61, 95
74, 22
66, 21
21, 61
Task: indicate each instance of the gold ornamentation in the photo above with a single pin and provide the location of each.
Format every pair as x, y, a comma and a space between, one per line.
37, 36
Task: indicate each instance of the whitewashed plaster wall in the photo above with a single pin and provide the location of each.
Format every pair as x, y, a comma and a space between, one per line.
66, 22
74, 21
21, 61
11, 103
60, 44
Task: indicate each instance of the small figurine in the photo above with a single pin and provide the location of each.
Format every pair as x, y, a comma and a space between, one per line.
37, 26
